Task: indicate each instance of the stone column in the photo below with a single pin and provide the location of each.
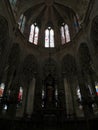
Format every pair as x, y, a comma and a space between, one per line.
30, 98
68, 98
12, 102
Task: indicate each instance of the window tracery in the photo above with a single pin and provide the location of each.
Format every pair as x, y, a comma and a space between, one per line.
49, 37
65, 35
34, 32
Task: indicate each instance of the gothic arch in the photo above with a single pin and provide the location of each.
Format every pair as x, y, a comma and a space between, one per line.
85, 60
69, 65
85, 57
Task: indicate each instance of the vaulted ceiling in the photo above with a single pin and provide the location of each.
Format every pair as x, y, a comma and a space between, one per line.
42, 9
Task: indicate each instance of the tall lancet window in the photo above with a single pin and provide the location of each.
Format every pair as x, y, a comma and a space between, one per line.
65, 35
49, 37
79, 98
34, 31
21, 23
20, 97
2, 86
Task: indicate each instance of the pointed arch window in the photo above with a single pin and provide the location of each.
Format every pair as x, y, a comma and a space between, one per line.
20, 97
49, 37
79, 94
2, 87
65, 34
21, 23
79, 98
20, 94
43, 97
34, 32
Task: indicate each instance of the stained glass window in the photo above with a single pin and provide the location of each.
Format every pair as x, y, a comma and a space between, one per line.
2, 86
65, 35
31, 33
49, 37
34, 31
46, 38
62, 35
79, 98
96, 87
78, 94
21, 23
20, 96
